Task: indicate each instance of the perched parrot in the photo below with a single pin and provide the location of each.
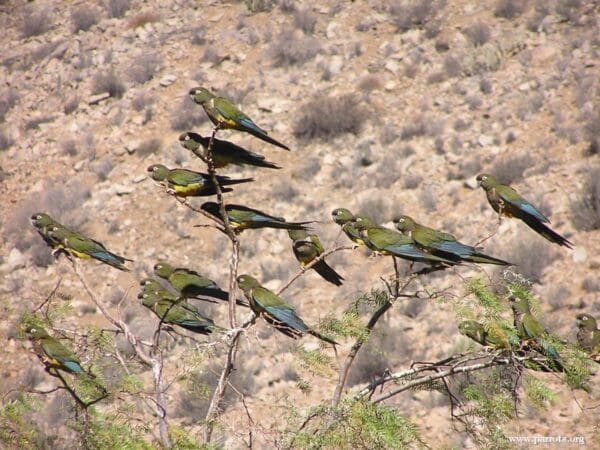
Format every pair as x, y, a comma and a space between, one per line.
391, 242
494, 338
588, 335
83, 247
43, 223
506, 201
308, 247
443, 244
151, 285
191, 284
55, 354
242, 218
346, 220
177, 312
224, 152
275, 310
225, 114
529, 328
187, 183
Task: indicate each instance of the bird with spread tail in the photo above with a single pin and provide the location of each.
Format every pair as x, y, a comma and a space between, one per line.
81, 246
187, 183
224, 153
53, 352
307, 247
275, 310
508, 202
443, 244
242, 218
224, 114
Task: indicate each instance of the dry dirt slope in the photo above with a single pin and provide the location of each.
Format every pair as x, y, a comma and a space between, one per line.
434, 95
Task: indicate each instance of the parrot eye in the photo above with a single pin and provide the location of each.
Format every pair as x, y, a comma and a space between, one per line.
584, 318
38, 217
186, 138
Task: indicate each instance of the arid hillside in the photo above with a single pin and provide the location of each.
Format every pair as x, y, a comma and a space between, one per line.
389, 108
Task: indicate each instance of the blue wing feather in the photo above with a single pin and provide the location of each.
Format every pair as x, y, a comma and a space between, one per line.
287, 316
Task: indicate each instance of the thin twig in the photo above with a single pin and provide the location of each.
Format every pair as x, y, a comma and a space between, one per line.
305, 268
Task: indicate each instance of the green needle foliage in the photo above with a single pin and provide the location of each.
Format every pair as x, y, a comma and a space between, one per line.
358, 424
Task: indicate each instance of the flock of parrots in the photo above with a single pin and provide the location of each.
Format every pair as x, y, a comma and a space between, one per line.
410, 241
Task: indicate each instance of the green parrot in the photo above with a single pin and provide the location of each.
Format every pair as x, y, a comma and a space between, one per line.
506, 201
308, 247
178, 312
346, 220
55, 354
242, 218
275, 310
187, 183
588, 335
495, 337
224, 152
443, 244
530, 329
391, 242
191, 284
43, 223
152, 285
81, 246
225, 114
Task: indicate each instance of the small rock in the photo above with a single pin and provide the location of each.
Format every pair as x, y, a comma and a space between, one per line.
132, 146
15, 260
579, 255
390, 85
332, 30
78, 166
470, 183
97, 98
121, 189
167, 80
139, 179
524, 86
336, 64
484, 140
392, 66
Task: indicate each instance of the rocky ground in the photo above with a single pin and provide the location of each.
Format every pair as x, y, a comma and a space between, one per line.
389, 107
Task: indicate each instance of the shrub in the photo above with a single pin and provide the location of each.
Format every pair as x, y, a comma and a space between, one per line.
8, 98
35, 22
108, 82
290, 49
144, 67
5, 140
141, 19
187, 115
305, 20
84, 18
479, 33
509, 9
409, 14
149, 147
532, 256
586, 209
117, 8
509, 170
320, 118
71, 104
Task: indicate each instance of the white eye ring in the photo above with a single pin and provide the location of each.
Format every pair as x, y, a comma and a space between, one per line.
186, 138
